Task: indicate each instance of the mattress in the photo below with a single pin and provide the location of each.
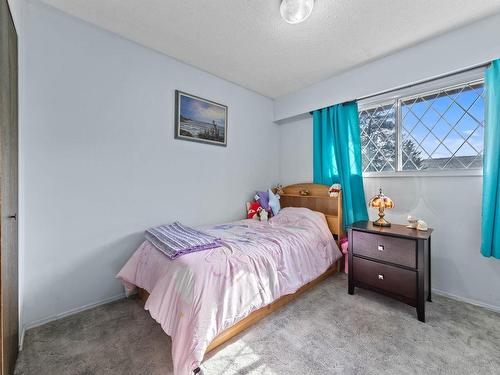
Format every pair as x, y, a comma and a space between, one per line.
199, 295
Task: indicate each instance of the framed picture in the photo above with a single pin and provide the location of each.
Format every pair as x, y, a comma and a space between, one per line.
200, 120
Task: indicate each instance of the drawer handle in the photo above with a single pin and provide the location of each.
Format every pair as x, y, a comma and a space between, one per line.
380, 247
381, 277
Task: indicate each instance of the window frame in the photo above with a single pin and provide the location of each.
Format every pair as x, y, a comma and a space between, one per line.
421, 89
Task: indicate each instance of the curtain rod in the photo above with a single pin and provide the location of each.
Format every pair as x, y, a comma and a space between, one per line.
483, 65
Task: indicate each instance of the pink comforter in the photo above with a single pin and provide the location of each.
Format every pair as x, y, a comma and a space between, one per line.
199, 295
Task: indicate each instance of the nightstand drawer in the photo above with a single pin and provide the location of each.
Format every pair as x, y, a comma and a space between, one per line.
395, 250
391, 279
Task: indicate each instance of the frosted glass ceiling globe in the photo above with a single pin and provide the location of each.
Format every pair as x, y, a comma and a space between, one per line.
296, 11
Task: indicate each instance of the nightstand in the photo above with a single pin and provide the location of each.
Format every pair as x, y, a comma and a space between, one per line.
394, 261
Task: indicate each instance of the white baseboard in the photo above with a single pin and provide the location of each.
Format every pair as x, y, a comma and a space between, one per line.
467, 300
65, 314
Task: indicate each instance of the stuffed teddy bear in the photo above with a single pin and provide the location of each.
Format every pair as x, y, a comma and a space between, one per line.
263, 214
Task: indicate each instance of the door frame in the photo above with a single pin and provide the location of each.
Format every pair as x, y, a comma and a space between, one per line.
9, 254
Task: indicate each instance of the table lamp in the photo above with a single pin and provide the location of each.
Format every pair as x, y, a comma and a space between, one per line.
381, 202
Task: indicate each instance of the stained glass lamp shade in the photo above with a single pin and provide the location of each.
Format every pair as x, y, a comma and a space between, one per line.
381, 202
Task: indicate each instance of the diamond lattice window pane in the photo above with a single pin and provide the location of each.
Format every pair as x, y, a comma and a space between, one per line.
431, 117
443, 130
476, 139
378, 138
430, 143
441, 104
477, 110
412, 156
410, 121
466, 98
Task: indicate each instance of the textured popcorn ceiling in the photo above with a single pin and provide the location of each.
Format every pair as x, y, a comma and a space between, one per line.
246, 41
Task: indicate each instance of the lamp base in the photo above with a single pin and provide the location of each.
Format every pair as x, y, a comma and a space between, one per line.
381, 222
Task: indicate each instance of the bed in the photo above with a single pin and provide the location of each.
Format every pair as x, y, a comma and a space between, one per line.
205, 298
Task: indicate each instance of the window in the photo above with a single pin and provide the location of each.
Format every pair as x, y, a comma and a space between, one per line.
438, 129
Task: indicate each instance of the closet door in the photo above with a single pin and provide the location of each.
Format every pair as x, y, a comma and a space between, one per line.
8, 192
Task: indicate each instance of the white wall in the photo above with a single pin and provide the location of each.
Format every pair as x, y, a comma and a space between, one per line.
99, 162
451, 205
456, 50
296, 153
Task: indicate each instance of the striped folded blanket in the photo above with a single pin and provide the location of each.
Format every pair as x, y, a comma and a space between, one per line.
176, 239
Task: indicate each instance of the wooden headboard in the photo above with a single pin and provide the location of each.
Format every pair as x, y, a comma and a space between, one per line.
318, 199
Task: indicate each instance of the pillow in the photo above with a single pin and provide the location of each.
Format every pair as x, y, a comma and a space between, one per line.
274, 202
264, 199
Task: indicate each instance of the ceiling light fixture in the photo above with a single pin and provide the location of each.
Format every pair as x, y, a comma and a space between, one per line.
296, 11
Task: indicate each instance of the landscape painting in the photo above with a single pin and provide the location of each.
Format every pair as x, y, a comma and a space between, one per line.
200, 120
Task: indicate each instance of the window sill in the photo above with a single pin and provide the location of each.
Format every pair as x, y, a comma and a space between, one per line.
413, 174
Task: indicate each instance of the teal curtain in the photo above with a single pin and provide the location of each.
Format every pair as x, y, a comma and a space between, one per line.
337, 156
490, 241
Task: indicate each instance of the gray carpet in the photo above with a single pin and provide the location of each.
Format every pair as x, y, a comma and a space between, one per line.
325, 331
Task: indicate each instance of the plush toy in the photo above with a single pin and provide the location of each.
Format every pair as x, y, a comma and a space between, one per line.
252, 210
334, 190
279, 189
344, 246
263, 214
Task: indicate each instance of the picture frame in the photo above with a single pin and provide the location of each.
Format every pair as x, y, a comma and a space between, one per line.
200, 120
